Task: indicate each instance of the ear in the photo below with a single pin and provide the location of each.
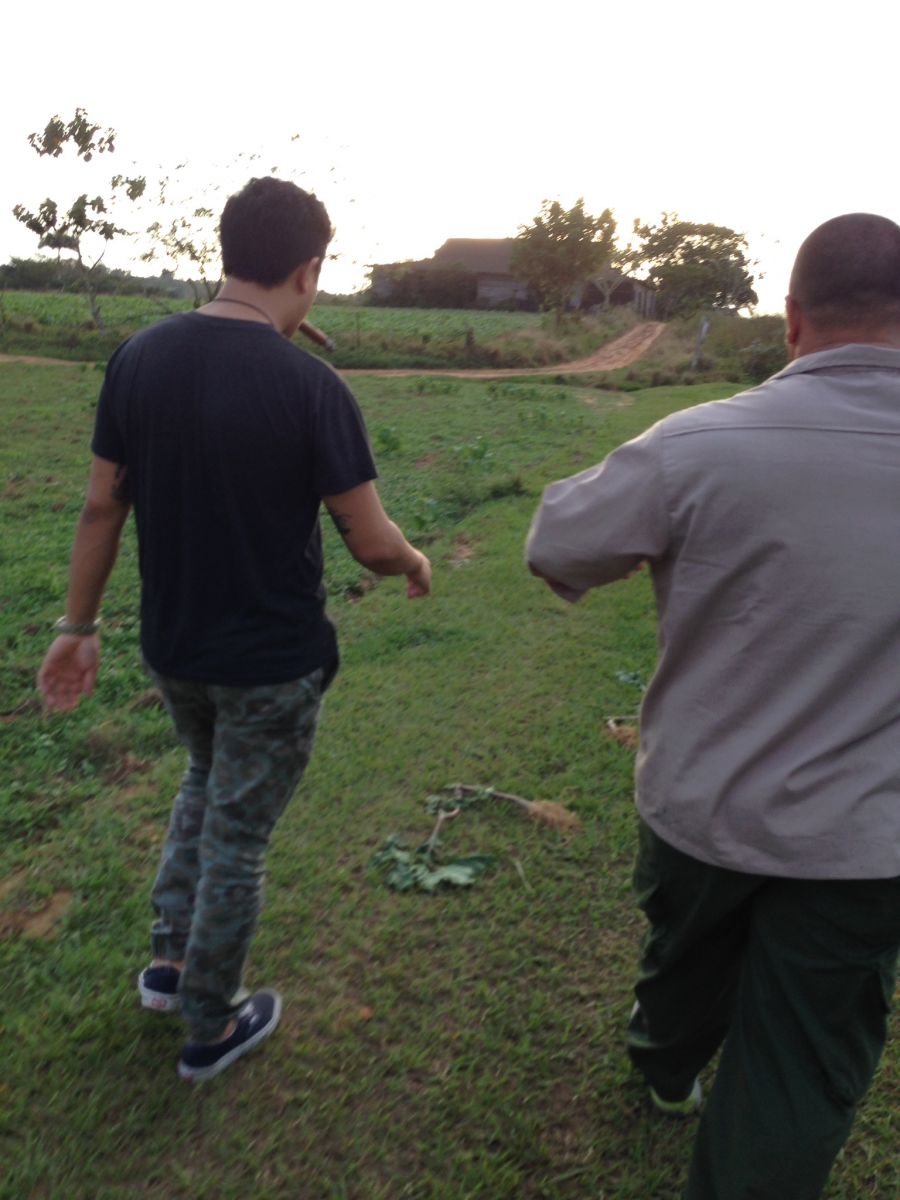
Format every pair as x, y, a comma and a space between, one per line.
794, 317
306, 277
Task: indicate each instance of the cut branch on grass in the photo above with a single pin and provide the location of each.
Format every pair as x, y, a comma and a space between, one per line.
625, 731
426, 870
546, 812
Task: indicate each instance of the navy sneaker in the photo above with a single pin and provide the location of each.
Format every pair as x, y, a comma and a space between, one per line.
159, 988
255, 1021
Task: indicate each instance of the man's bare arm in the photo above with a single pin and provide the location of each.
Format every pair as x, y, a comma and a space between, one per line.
374, 540
96, 544
70, 666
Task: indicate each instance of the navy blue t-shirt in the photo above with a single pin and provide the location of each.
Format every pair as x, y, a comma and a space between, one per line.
231, 435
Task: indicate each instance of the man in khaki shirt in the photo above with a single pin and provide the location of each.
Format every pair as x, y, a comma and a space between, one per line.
768, 778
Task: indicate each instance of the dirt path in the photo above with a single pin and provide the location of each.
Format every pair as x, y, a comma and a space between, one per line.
619, 353
40, 362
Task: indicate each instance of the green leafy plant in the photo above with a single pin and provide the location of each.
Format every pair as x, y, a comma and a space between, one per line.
476, 453
387, 439
424, 515
429, 386
631, 677
420, 869
423, 868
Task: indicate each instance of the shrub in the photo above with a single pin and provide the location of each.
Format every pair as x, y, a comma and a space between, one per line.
662, 379
387, 440
762, 359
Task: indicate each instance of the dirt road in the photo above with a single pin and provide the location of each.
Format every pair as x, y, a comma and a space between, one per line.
619, 353
39, 362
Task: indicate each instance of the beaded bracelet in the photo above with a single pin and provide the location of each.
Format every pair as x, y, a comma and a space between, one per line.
77, 628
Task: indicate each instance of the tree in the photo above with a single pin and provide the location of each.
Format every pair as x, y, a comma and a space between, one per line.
190, 239
560, 250
694, 266
609, 277
86, 220
185, 233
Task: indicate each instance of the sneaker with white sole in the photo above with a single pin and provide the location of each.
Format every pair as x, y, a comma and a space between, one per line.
255, 1021
678, 1108
670, 1108
158, 987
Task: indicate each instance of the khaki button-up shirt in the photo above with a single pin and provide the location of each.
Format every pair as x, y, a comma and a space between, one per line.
770, 732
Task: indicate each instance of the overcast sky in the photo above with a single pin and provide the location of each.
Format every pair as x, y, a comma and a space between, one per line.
415, 122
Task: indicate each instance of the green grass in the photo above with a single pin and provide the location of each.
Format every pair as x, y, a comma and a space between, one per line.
58, 325
433, 1048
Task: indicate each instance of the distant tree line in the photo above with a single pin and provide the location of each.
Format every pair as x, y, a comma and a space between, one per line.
440, 287
64, 275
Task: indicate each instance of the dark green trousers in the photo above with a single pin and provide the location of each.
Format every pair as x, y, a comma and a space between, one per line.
793, 979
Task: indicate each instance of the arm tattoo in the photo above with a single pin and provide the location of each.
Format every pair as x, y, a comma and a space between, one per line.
341, 522
121, 489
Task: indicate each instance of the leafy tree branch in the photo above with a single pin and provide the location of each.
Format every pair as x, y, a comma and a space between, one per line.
87, 220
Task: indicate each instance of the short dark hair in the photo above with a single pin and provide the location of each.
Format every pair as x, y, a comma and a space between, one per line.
269, 228
847, 272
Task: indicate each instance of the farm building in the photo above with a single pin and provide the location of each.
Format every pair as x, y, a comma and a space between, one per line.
474, 272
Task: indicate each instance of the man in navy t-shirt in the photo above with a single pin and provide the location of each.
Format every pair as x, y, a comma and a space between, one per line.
225, 438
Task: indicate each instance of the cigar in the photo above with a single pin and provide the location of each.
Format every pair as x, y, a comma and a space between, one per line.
317, 335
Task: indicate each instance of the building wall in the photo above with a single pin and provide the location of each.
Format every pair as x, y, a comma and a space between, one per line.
494, 289
500, 289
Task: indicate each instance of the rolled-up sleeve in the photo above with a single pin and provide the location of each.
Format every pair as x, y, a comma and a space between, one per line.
597, 526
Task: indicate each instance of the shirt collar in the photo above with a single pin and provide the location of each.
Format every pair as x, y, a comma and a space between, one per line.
855, 354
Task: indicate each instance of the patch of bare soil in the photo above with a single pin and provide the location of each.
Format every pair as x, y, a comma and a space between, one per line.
10, 884
33, 924
107, 748
126, 766
149, 833
462, 551
621, 352
366, 584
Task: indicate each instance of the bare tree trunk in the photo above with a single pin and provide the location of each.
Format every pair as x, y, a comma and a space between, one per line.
95, 307
701, 338
93, 301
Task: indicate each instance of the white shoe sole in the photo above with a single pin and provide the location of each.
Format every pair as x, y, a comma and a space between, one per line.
679, 1108
159, 1001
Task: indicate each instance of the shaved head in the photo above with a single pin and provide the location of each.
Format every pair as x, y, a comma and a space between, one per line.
847, 273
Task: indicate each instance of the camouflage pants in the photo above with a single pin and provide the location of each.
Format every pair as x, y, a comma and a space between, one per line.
248, 748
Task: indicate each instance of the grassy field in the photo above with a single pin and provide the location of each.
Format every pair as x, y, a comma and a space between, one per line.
57, 325
446, 1047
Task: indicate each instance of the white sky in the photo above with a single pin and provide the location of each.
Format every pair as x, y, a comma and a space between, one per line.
420, 121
